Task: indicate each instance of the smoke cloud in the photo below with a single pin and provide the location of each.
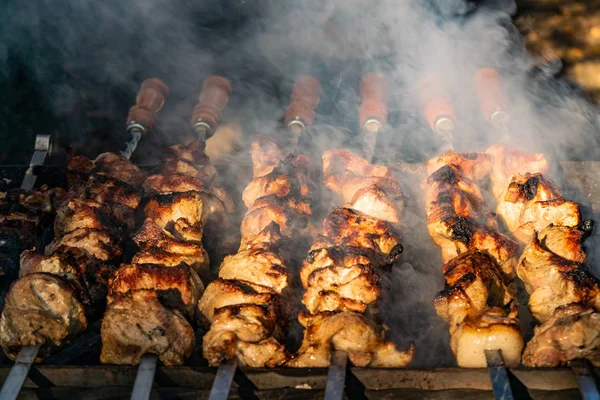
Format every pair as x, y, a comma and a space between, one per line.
62, 49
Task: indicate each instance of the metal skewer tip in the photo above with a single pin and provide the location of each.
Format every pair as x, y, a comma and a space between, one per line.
18, 373
498, 375
336, 376
583, 373
142, 386
222, 383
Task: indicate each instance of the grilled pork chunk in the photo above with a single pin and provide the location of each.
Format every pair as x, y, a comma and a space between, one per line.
351, 332
572, 332
245, 307
457, 235
508, 161
371, 189
472, 285
553, 281
473, 166
40, 309
140, 322
493, 330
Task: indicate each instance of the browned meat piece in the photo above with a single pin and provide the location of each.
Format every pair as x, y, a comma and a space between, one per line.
165, 209
40, 309
93, 244
198, 208
553, 281
284, 181
266, 155
122, 198
351, 332
448, 193
565, 242
376, 203
324, 254
120, 168
259, 265
84, 214
494, 330
474, 166
457, 235
138, 323
78, 169
357, 284
193, 155
289, 214
543, 213
509, 161
185, 240
174, 183
247, 332
572, 332
472, 284
532, 203
221, 293
177, 287
346, 174
347, 227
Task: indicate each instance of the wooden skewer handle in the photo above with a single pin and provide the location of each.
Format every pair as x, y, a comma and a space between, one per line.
373, 100
149, 101
303, 101
213, 99
488, 88
434, 101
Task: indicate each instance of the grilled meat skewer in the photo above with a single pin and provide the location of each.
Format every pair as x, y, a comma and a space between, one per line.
57, 292
564, 295
480, 263
246, 307
340, 274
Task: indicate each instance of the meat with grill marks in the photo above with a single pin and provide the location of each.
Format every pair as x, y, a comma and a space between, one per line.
509, 161
341, 274
246, 307
531, 203
152, 302
49, 303
480, 262
351, 332
572, 332
24, 215
552, 280
472, 284
472, 166
368, 188
457, 235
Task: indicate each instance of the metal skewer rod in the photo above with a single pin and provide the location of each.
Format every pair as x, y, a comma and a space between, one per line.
18, 373
336, 376
373, 110
142, 387
583, 373
223, 380
498, 375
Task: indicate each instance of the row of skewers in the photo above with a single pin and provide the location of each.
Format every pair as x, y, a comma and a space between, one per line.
155, 301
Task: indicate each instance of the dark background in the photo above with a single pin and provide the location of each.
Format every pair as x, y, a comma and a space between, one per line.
73, 71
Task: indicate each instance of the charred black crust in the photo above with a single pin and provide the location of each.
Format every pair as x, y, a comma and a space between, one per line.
470, 156
395, 253
446, 174
587, 227
463, 228
530, 187
166, 199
